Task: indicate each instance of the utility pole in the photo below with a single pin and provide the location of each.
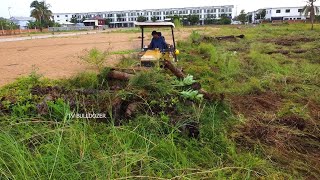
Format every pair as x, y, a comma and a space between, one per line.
9, 11
236, 10
10, 18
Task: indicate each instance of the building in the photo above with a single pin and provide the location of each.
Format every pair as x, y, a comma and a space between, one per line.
127, 18
22, 22
62, 18
280, 13
96, 21
285, 13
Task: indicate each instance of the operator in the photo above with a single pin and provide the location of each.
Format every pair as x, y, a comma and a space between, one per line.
157, 42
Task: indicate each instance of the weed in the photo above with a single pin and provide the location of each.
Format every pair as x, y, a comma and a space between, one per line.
95, 57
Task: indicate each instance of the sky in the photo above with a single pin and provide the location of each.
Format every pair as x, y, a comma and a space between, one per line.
22, 7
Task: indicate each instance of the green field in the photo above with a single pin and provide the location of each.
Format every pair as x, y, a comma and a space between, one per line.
266, 127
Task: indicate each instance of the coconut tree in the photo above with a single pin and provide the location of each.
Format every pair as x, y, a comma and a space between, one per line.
311, 9
41, 12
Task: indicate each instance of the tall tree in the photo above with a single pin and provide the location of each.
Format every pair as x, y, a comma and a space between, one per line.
141, 19
312, 10
154, 19
261, 14
193, 19
224, 19
74, 20
41, 12
242, 17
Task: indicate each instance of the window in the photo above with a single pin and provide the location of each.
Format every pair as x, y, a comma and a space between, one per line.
198, 11
278, 11
299, 10
66, 15
222, 10
58, 16
287, 10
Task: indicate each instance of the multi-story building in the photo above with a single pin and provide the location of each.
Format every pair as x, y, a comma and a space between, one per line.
62, 18
281, 13
285, 13
127, 18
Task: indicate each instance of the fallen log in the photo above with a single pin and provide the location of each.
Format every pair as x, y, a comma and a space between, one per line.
119, 75
177, 72
285, 52
196, 86
224, 37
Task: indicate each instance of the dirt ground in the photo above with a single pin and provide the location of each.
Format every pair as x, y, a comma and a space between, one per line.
59, 57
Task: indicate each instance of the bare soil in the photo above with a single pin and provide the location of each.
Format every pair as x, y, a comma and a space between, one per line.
59, 57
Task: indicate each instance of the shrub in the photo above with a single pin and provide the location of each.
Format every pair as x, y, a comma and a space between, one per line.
95, 57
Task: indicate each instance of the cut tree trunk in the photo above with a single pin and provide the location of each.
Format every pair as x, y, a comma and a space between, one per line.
119, 75
224, 37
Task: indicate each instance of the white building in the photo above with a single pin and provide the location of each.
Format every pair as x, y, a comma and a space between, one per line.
285, 13
280, 13
127, 18
62, 18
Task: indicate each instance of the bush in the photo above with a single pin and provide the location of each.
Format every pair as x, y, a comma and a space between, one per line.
208, 50
195, 36
95, 57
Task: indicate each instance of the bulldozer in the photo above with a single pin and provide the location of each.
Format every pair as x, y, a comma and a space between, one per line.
156, 57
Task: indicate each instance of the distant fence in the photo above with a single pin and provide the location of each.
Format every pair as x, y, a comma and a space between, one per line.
20, 31
71, 28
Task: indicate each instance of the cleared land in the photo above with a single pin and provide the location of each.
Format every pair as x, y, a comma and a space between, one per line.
262, 122
59, 57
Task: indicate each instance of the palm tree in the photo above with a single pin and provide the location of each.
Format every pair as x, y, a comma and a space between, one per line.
40, 11
312, 10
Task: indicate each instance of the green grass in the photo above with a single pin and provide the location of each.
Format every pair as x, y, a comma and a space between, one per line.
156, 142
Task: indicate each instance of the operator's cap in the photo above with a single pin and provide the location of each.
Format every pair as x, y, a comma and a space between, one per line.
154, 33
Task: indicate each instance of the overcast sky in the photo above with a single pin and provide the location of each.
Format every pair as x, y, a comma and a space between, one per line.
21, 7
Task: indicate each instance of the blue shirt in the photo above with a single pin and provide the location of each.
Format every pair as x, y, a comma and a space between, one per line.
158, 43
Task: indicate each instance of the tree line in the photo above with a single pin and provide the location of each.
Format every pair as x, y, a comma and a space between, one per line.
191, 19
